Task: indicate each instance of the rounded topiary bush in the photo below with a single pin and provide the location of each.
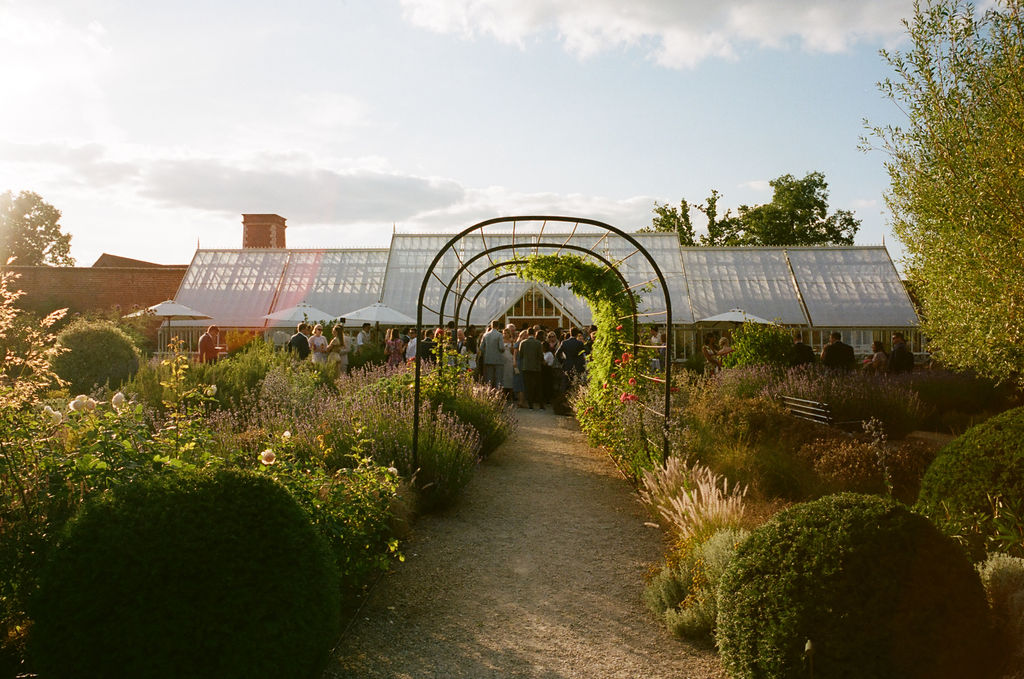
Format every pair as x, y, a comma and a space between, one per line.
877, 590
188, 575
98, 353
986, 463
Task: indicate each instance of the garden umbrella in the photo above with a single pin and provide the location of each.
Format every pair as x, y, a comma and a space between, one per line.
300, 312
733, 317
378, 312
171, 311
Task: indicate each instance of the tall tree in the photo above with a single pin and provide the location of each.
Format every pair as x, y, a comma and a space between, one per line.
669, 219
30, 231
797, 215
956, 169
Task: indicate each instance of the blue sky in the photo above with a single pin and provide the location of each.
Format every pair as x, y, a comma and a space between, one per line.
153, 125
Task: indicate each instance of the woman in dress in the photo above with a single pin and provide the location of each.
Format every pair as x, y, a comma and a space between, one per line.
713, 362
395, 348
337, 350
549, 371
318, 345
518, 386
508, 375
724, 349
878, 361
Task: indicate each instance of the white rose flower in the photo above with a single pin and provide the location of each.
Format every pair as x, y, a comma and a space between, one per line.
211, 390
392, 471
90, 404
287, 435
78, 404
268, 457
117, 401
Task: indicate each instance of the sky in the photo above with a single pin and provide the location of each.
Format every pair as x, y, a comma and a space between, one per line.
154, 126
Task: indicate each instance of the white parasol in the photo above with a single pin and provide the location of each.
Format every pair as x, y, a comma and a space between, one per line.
379, 313
297, 313
733, 317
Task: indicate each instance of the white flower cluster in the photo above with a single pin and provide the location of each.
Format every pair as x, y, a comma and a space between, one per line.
52, 415
117, 401
81, 404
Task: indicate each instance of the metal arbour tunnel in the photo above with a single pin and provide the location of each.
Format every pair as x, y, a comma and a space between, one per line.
470, 265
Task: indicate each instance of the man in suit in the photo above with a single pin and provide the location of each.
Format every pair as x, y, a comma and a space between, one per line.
299, 342
837, 355
531, 350
801, 354
902, 359
492, 348
572, 355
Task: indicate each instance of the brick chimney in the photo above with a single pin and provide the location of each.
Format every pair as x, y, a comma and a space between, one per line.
263, 231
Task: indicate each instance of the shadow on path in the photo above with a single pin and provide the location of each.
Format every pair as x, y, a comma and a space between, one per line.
537, 572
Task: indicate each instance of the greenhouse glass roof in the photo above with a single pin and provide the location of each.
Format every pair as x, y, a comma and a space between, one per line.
855, 286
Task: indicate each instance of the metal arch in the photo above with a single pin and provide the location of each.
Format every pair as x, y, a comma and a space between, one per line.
455, 277
479, 226
462, 296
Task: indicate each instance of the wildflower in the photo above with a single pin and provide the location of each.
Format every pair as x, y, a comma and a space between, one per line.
614, 375
632, 380
78, 404
392, 471
211, 390
604, 386
90, 404
117, 401
618, 327
286, 436
268, 457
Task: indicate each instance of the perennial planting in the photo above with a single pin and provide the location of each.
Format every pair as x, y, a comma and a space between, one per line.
337, 448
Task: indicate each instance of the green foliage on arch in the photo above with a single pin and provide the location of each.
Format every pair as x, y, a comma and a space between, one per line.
610, 305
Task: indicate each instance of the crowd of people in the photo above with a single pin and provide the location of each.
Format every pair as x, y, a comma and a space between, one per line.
835, 355
536, 365
533, 366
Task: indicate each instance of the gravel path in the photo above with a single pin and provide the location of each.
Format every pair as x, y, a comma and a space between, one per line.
537, 572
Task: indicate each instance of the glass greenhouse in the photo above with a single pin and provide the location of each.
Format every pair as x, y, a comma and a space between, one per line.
854, 289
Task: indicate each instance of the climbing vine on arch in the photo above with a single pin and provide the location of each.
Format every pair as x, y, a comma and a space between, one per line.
614, 370
610, 305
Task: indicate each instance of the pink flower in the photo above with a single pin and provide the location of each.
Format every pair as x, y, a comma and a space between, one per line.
618, 327
632, 380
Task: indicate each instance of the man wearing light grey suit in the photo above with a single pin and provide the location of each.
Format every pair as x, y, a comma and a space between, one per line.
492, 346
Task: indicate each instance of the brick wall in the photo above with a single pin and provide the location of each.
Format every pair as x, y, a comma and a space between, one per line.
82, 289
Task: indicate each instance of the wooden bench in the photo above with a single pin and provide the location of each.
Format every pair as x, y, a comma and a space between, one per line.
815, 411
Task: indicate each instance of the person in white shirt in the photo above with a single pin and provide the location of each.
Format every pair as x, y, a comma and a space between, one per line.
410, 346
363, 338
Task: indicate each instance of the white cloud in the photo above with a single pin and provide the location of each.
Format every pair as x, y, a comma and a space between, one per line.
761, 185
863, 203
311, 195
675, 33
479, 204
